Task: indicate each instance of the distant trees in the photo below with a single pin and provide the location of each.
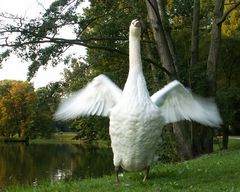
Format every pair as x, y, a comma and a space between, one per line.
26, 112
47, 100
17, 104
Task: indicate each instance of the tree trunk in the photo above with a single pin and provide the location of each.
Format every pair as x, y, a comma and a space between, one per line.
225, 137
195, 33
195, 129
199, 133
214, 48
182, 145
212, 63
160, 39
165, 23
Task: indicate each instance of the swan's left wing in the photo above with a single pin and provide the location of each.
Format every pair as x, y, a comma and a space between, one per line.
97, 98
178, 103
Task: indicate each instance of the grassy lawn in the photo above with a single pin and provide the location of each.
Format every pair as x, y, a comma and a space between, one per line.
219, 171
56, 138
66, 137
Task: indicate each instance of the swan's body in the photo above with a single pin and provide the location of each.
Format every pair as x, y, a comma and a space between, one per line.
136, 119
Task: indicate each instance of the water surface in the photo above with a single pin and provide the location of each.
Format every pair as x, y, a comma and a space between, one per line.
31, 164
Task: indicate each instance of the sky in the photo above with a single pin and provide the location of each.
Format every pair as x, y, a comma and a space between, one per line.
14, 68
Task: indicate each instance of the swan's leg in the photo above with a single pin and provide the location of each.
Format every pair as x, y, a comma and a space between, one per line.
146, 173
117, 170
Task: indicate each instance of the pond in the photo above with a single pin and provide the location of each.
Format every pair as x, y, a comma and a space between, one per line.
31, 164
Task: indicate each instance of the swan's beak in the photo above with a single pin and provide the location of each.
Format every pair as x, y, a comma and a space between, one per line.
136, 23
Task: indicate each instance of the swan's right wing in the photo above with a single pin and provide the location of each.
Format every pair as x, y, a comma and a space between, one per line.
97, 98
178, 103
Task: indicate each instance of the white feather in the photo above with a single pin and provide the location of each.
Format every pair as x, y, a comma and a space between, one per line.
97, 98
177, 103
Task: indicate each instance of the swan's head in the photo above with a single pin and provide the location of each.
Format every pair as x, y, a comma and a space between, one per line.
135, 28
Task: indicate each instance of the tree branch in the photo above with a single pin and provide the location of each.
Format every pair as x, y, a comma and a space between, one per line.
223, 18
90, 46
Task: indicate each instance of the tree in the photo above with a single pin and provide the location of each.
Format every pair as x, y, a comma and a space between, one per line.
17, 108
47, 100
161, 39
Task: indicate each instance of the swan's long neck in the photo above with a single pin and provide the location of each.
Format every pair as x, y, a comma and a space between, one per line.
135, 61
135, 88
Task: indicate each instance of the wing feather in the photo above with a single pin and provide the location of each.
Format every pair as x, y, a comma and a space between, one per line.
97, 98
178, 103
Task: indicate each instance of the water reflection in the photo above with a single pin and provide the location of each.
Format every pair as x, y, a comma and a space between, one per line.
21, 164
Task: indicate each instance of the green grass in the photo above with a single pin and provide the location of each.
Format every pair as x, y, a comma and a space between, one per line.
216, 172
65, 137
57, 138
61, 138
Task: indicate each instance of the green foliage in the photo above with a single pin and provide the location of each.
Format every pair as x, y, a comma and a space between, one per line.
228, 100
76, 76
91, 128
166, 151
228, 93
48, 99
228, 66
112, 31
231, 27
180, 12
43, 29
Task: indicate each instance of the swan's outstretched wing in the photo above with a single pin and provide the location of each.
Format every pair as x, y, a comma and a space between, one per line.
177, 103
97, 98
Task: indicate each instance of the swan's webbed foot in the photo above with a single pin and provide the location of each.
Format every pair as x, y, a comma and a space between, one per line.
146, 173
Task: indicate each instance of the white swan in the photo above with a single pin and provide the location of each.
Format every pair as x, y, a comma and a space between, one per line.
136, 119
